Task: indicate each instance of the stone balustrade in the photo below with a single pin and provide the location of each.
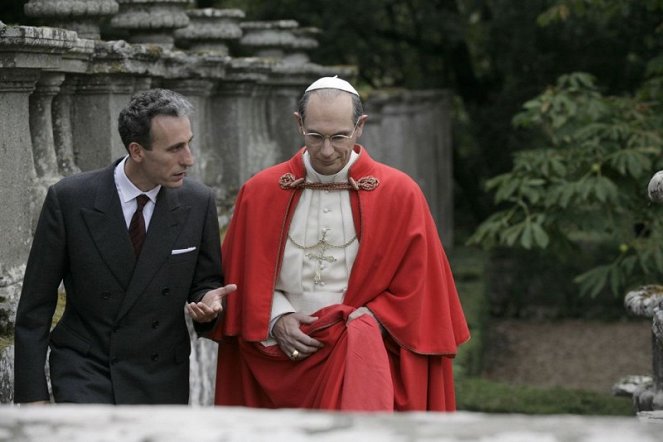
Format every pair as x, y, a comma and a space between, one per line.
84, 423
62, 88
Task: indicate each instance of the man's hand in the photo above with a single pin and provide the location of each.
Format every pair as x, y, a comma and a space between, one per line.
291, 339
211, 305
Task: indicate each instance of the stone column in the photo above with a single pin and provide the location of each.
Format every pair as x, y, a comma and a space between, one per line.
41, 125
240, 123
151, 21
304, 42
210, 30
62, 128
77, 15
647, 301
16, 194
17, 165
411, 131
268, 39
97, 104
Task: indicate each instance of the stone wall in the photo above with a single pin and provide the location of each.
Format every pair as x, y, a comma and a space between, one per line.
62, 87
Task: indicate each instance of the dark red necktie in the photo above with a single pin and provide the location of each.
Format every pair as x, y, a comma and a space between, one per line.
137, 224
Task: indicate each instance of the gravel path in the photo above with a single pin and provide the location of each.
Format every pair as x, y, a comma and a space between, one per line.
576, 354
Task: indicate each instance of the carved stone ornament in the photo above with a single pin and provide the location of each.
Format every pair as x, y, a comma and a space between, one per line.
82, 16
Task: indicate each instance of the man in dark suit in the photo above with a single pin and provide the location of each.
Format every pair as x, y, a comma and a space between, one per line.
133, 243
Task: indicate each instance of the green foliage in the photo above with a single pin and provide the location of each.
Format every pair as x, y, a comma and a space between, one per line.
474, 394
468, 266
583, 182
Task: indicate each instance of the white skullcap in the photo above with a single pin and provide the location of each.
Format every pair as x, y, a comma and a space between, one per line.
332, 83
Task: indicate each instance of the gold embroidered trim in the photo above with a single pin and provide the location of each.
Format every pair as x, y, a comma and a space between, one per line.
368, 183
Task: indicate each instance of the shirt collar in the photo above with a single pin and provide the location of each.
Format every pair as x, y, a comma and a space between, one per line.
338, 177
128, 191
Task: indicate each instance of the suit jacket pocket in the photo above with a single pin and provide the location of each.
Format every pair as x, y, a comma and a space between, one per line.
63, 336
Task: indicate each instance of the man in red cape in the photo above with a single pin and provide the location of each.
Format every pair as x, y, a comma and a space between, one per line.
345, 299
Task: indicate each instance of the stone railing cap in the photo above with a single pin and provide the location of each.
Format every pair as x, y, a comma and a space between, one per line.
71, 8
184, 2
263, 25
216, 13
644, 300
42, 38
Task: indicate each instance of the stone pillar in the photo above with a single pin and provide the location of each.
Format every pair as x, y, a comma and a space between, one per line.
240, 111
210, 30
77, 15
268, 39
41, 125
17, 165
647, 301
97, 104
304, 42
411, 132
151, 21
282, 105
17, 170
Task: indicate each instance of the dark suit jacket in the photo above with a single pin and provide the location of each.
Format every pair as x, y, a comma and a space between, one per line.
122, 338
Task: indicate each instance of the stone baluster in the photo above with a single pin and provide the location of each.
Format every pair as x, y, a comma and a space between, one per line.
210, 30
268, 39
305, 41
151, 21
41, 126
83, 17
97, 103
62, 128
647, 301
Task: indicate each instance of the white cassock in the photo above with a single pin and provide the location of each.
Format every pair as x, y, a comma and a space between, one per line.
314, 275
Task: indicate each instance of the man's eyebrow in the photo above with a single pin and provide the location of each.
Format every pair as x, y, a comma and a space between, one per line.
180, 144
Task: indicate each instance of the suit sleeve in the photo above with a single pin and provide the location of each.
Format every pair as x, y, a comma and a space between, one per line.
207, 275
46, 266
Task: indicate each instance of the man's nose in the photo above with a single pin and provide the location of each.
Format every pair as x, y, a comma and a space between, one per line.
327, 148
187, 156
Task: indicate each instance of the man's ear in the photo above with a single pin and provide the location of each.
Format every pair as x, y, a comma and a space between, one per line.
299, 122
135, 151
360, 125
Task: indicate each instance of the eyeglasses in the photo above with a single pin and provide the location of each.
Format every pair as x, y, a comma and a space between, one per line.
314, 139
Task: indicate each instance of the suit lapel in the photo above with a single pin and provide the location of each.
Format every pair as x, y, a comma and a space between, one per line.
108, 230
167, 221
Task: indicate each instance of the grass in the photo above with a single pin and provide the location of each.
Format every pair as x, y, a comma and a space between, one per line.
476, 394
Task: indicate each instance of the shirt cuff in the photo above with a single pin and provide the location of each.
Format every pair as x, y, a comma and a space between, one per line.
280, 306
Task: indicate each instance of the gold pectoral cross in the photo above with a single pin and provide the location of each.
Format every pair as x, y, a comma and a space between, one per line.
321, 258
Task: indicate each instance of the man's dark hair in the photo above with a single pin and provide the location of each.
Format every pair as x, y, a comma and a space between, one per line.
135, 120
357, 107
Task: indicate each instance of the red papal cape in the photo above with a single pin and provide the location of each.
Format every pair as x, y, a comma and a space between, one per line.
400, 273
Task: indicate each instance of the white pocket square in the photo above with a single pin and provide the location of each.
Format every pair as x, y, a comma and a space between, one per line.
180, 251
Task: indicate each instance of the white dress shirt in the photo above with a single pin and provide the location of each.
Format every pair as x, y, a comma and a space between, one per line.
128, 193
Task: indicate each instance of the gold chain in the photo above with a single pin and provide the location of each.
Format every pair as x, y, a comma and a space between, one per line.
321, 242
